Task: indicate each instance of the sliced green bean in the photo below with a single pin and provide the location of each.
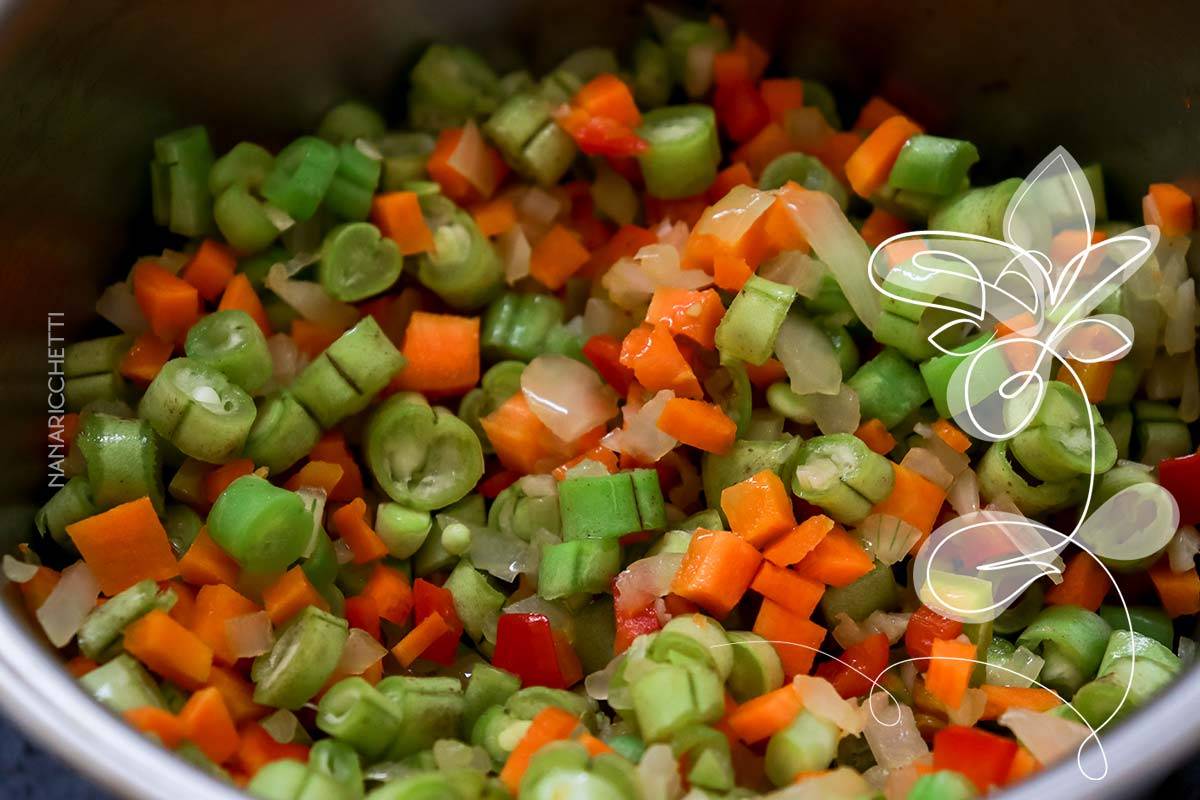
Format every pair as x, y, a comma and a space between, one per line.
198, 410
265, 528
282, 434
301, 660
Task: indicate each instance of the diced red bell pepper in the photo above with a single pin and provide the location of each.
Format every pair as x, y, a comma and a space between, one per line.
497, 482
362, 612
983, 757
924, 626
427, 599
1181, 477
860, 665
525, 647
600, 136
631, 623
604, 352
740, 110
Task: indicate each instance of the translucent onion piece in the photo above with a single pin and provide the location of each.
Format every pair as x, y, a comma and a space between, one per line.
118, 305
539, 206
888, 538
278, 217
808, 356
848, 633
1046, 736
658, 774
963, 495
503, 555
472, 160
1020, 669
19, 571
514, 251
1179, 334
568, 397
342, 552
792, 268
631, 281
250, 634
360, 653
835, 413
842, 783
674, 234
602, 317
953, 461
698, 69
899, 782
970, 710
1181, 552
927, 465
587, 468
281, 726
538, 485
645, 580
613, 195
822, 699
639, 436
64, 609
733, 215
299, 261
597, 683
1186, 651
286, 360
895, 742
310, 300
560, 620
840, 247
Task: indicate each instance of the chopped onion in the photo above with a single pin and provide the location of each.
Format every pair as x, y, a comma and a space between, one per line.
286, 360
796, 269
68, 604
283, 726
927, 465
1179, 334
645, 580
1186, 651
568, 397
472, 160
342, 552
963, 495
847, 632
835, 413
631, 281
560, 620
250, 634
819, 697
602, 317
19, 571
361, 652
1182, 550
173, 261
278, 217
538, 485
698, 69
1019, 669
639, 436
513, 248
734, 214
840, 247
299, 261
842, 783
886, 537
899, 782
807, 355
658, 774
538, 206
674, 234
118, 305
970, 710
614, 196
1047, 737
501, 554
310, 300
891, 732
587, 468
597, 683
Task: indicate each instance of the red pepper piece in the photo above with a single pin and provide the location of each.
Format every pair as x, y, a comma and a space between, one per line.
525, 647
924, 626
983, 757
604, 352
863, 664
1181, 477
427, 599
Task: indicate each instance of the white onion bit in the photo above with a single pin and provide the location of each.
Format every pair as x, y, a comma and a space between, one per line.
361, 652
1047, 737
310, 299
19, 571
567, 396
68, 604
1182, 551
118, 305
250, 634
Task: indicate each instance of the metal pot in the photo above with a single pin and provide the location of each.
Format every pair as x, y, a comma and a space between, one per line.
84, 88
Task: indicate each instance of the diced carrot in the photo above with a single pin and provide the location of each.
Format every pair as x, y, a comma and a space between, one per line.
210, 269
240, 295
765, 715
290, 594
351, 525
914, 499
699, 424
837, 560
1002, 698
756, 56
880, 226
836, 150
124, 545
730, 67
730, 272
875, 113
442, 354
716, 570
169, 649
313, 338
495, 217
954, 438
795, 638
759, 509
1021, 356
557, 256
1170, 208
1023, 765
904, 250
794, 592
145, 358
331, 447
208, 725
781, 96
763, 375
524, 444
950, 669
70, 427
736, 174
551, 724
158, 721
216, 604
686, 312
1179, 592
391, 593
767, 145
80, 666
398, 217
418, 640
606, 95
781, 231
35, 590
868, 167
170, 304
876, 436
454, 184
1085, 584
184, 609
238, 694
257, 748
655, 358
793, 546
323, 475
624, 243
206, 563
219, 478
600, 454
1095, 377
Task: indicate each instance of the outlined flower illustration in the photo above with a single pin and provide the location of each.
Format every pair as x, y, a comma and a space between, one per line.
1020, 318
